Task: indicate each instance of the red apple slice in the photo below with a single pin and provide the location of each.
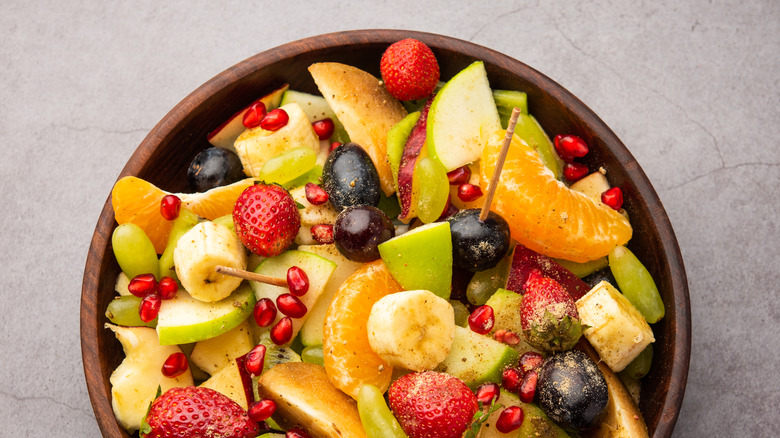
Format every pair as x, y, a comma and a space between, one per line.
228, 132
412, 150
525, 260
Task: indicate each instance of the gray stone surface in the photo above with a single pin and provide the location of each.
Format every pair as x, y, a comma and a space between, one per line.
690, 87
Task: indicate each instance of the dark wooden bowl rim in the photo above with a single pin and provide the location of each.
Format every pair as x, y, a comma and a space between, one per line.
558, 110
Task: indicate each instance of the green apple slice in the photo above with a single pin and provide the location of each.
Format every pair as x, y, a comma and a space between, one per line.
311, 331
318, 269
476, 358
184, 319
462, 114
316, 108
421, 258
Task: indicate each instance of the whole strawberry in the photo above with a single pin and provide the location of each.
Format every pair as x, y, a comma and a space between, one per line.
548, 315
197, 412
432, 405
409, 69
266, 219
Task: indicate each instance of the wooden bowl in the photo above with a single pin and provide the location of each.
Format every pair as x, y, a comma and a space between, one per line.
163, 157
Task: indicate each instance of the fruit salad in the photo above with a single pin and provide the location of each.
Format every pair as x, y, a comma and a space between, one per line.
360, 263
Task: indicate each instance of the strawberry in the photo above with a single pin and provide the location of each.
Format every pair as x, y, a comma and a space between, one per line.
193, 411
548, 315
266, 219
409, 69
432, 405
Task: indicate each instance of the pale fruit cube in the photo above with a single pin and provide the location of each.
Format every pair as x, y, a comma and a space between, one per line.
616, 329
229, 382
211, 355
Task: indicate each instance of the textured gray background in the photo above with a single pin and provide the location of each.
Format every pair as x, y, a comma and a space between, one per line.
690, 87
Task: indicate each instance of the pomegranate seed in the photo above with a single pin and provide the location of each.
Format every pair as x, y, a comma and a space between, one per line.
291, 305
175, 365
275, 120
323, 128
481, 319
296, 432
254, 114
167, 288
575, 171
281, 332
142, 285
264, 312
499, 335
511, 378
487, 392
613, 198
255, 360
315, 194
469, 192
510, 419
262, 410
459, 176
169, 207
530, 360
528, 387
511, 338
564, 156
334, 145
150, 307
322, 233
297, 281
570, 146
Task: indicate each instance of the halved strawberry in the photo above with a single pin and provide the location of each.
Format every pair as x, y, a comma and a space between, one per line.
548, 315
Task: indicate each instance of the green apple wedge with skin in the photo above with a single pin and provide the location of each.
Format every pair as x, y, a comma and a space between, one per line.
184, 319
461, 117
311, 331
476, 358
318, 270
421, 258
135, 381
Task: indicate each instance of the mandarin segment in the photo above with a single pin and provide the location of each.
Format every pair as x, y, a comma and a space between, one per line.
543, 213
138, 201
349, 360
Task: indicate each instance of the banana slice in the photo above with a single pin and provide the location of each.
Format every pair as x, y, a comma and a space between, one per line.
616, 329
255, 146
412, 329
197, 254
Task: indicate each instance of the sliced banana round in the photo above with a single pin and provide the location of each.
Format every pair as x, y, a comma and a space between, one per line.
412, 329
197, 254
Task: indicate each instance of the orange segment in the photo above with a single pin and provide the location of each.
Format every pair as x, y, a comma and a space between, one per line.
138, 201
543, 213
216, 202
349, 360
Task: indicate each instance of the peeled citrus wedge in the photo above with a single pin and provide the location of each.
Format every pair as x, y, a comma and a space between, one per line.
349, 361
138, 201
545, 215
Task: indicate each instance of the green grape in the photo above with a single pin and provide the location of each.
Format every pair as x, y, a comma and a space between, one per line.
181, 225
582, 270
134, 251
640, 366
636, 283
312, 176
430, 189
461, 313
124, 311
312, 354
531, 131
288, 165
376, 417
485, 283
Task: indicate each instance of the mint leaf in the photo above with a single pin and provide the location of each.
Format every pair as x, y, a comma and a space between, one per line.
480, 418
